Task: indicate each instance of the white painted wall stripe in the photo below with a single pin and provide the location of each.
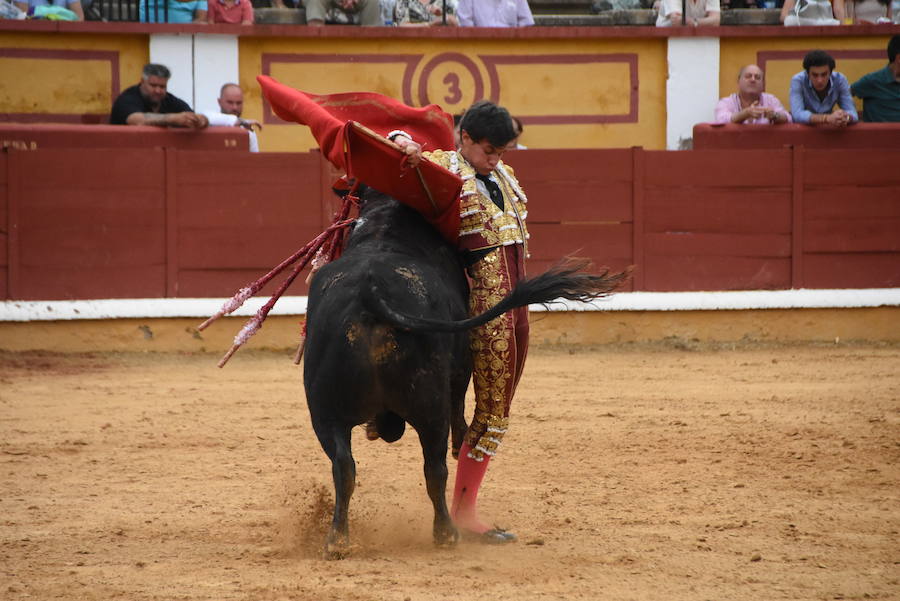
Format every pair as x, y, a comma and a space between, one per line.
215, 63
176, 51
201, 308
692, 88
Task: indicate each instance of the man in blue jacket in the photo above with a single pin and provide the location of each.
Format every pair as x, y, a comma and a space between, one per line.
816, 90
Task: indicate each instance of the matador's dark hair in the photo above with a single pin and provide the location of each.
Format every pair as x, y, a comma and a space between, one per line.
487, 121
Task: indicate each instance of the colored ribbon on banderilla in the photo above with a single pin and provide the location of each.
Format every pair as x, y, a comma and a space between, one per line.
320, 250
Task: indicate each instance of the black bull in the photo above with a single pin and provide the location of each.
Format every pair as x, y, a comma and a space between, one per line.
387, 340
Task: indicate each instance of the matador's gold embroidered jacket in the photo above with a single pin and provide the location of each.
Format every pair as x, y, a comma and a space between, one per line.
482, 223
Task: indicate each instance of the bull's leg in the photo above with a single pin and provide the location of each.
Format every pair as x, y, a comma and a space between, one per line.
336, 444
434, 451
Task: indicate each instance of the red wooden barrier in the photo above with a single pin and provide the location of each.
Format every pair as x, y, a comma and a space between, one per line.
43, 136
164, 222
717, 220
742, 137
579, 202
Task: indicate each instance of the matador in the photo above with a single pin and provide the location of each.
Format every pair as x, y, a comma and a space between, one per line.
493, 239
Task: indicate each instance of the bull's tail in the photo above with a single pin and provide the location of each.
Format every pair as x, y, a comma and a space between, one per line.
565, 280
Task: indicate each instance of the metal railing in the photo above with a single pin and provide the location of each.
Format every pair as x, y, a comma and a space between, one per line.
156, 11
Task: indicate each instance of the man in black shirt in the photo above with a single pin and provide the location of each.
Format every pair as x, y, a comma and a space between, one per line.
149, 103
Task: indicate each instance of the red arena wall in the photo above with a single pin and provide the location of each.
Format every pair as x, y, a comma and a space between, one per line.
136, 220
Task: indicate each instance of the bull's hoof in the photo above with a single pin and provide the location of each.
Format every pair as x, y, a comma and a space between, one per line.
445, 538
494, 536
337, 547
334, 551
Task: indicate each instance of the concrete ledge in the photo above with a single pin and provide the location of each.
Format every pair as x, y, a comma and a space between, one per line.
603, 19
751, 16
279, 16
647, 17
541, 7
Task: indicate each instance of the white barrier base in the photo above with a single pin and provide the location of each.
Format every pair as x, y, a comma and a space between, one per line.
296, 305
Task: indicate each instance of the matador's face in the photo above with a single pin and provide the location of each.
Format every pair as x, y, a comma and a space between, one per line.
482, 155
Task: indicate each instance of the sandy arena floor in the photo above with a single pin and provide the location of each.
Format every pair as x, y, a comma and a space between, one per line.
674, 473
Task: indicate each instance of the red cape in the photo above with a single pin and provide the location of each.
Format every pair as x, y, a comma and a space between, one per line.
350, 130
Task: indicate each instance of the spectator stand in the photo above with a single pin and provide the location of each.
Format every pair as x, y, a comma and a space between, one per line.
265, 13
547, 13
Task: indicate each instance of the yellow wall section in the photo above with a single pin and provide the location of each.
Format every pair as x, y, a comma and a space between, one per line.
737, 52
49, 85
528, 81
530, 77
70, 87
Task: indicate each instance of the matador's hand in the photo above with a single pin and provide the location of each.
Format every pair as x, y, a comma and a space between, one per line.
412, 149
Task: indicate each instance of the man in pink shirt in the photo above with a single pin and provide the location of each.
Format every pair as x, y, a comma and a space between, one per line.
230, 11
494, 13
751, 104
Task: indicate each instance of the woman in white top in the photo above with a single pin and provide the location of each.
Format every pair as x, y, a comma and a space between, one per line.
812, 12
697, 12
869, 11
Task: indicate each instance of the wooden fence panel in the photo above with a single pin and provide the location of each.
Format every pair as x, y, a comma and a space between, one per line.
718, 168
575, 186
237, 220
155, 222
4, 225
673, 273
717, 220
91, 224
607, 245
851, 270
579, 203
851, 218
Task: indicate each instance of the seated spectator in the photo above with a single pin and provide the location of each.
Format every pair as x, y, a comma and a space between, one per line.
424, 13
869, 11
750, 104
343, 12
229, 11
179, 11
519, 128
72, 5
812, 12
231, 105
880, 90
149, 103
494, 13
698, 13
816, 89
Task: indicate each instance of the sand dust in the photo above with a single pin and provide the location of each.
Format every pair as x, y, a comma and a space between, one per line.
667, 472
